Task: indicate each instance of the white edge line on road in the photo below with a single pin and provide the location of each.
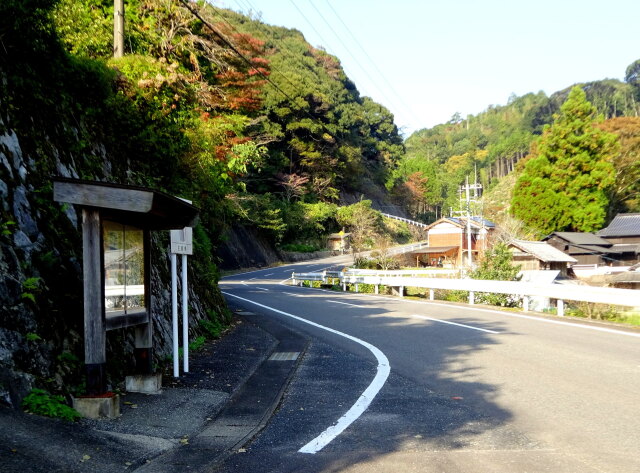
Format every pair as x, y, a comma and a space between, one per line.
491, 311
262, 288
283, 281
346, 303
365, 399
537, 319
454, 323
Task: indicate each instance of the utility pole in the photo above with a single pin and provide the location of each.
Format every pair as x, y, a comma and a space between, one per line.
466, 187
467, 212
118, 28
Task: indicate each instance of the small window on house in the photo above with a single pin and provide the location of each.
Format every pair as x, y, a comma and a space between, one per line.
123, 268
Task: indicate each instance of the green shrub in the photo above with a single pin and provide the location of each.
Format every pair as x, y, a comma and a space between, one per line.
315, 284
212, 326
40, 402
456, 296
197, 344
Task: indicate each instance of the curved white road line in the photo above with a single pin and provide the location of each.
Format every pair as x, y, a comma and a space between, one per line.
363, 401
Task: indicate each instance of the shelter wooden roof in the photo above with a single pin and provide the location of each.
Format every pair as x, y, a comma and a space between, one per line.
138, 206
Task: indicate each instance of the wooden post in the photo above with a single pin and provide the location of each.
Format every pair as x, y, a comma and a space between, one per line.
95, 353
525, 303
472, 298
431, 295
560, 307
377, 289
357, 287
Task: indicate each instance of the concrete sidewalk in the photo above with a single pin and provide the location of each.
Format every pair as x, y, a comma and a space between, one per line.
198, 420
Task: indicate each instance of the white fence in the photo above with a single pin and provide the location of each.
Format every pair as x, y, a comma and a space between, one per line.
402, 219
523, 290
398, 250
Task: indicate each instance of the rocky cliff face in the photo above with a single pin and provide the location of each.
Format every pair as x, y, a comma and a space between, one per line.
41, 313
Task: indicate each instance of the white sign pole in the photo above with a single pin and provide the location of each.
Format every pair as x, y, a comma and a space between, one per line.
185, 315
174, 314
181, 244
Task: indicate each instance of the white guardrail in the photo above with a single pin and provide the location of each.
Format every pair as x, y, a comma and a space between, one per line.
402, 219
121, 290
560, 292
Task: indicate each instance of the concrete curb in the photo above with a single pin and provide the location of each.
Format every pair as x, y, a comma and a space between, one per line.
248, 410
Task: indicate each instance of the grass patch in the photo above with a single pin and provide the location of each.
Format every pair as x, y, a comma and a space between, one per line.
40, 402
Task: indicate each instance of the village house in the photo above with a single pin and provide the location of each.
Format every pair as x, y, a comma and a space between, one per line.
448, 241
613, 246
624, 233
586, 248
538, 255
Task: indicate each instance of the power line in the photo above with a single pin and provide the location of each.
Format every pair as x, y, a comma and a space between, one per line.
232, 47
273, 68
353, 56
380, 73
347, 48
243, 5
196, 13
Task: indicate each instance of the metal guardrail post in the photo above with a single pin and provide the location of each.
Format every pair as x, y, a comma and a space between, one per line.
293, 278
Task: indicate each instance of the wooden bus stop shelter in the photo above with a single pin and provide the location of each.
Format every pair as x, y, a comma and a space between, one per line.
116, 225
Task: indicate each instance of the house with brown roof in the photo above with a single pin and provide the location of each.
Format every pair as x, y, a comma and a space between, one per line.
448, 242
539, 255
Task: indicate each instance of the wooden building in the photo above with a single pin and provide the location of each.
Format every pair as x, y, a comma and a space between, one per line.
624, 233
538, 255
339, 241
116, 221
586, 248
448, 242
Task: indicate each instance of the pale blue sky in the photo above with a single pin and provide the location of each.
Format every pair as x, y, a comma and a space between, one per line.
426, 60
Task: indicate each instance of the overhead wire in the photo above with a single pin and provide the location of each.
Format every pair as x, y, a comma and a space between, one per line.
373, 63
196, 13
227, 43
346, 48
366, 72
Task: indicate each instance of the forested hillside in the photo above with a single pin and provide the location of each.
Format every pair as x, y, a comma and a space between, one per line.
276, 119
248, 121
489, 146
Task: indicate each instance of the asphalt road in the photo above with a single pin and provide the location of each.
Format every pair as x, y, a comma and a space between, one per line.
468, 389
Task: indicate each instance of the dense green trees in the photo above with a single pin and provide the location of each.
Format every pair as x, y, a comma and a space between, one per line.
566, 185
489, 146
625, 194
245, 118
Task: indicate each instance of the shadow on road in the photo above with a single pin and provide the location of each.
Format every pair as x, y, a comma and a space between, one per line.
434, 399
